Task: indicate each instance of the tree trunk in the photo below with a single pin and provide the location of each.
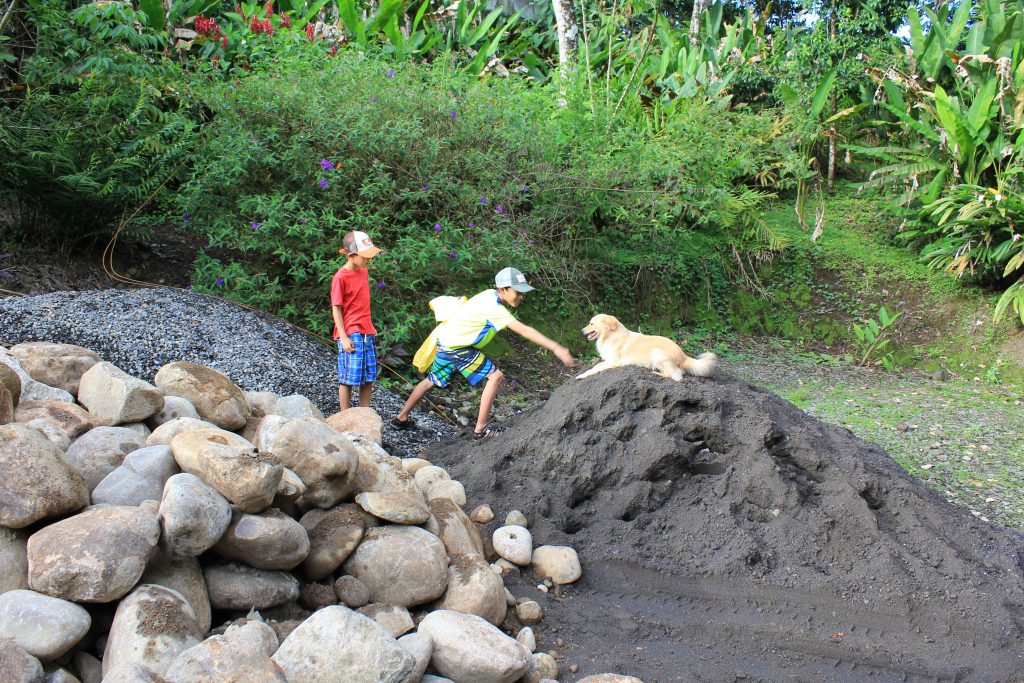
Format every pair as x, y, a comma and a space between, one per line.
568, 34
831, 158
698, 9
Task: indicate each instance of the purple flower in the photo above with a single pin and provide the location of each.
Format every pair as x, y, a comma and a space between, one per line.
186, 217
499, 209
437, 227
254, 225
5, 275
190, 285
326, 164
455, 115
483, 200
424, 187
523, 188
220, 282
373, 100
524, 234
391, 73
323, 183
533, 241
381, 284
472, 225
452, 255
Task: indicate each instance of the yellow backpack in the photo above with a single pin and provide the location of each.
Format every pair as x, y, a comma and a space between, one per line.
444, 308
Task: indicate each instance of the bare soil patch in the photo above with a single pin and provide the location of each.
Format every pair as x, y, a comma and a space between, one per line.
727, 534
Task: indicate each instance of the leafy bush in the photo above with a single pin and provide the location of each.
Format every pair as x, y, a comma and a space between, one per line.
457, 178
957, 156
98, 129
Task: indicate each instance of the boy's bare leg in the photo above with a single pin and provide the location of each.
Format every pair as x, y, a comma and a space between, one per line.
365, 390
490, 392
344, 396
418, 392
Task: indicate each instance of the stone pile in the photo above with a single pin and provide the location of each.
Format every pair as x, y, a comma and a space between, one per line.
134, 513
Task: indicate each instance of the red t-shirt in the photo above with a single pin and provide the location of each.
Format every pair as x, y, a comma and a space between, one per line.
350, 289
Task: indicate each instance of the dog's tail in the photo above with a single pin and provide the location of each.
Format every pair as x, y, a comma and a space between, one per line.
702, 365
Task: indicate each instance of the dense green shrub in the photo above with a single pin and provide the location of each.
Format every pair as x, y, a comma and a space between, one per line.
97, 125
458, 177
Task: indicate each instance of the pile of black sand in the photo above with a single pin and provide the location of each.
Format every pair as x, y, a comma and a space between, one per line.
725, 534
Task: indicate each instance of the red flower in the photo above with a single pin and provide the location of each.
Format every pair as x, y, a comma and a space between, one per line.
286, 21
309, 32
334, 50
269, 9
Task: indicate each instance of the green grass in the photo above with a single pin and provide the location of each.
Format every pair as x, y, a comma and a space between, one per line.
960, 437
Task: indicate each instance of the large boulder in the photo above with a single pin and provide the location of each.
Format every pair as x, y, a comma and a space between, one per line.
337, 644
68, 418
17, 665
325, 460
151, 627
269, 540
43, 626
474, 588
333, 535
173, 408
221, 660
140, 477
56, 365
456, 531
9, 380
193, 515
214, 396
13, 559
6, 405
164, 434
362, 421
237, 586
468, 648
229, 464
100, 451
31, 390
401, 565
398, 508
95, 556
37, 481
184, 575
115, 397
380, 472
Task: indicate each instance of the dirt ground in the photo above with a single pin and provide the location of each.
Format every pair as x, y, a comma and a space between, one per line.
727, 535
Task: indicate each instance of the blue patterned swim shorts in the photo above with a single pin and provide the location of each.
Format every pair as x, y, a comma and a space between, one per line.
360, 366
473, 365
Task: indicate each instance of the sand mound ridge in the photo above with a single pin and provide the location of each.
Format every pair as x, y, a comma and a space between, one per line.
713, 491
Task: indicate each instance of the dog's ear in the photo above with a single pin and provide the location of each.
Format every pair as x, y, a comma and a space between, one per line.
613, 323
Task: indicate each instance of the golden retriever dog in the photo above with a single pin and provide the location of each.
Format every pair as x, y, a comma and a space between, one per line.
619, 346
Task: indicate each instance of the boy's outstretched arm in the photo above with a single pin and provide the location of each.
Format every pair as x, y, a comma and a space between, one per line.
540, 339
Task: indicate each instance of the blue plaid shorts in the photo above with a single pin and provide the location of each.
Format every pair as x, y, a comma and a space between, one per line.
360, 366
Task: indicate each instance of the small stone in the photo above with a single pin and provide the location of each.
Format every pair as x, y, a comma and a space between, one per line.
514, 543
559, 562
352, 591
529, 612
481, 514
527, 639
516, 518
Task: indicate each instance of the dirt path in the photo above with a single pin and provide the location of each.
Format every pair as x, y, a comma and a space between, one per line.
726, 535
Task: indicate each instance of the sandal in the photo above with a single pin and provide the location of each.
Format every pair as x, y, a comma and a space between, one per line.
487, 432
403, 424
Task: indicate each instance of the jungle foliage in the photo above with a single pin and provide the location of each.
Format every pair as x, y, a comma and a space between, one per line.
637, 180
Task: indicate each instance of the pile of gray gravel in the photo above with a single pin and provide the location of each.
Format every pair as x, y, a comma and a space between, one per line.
141, 330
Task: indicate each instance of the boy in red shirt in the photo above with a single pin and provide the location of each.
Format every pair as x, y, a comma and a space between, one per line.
353, 328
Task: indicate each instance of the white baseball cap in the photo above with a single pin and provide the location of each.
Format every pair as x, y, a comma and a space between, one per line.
510, 277
356, 242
